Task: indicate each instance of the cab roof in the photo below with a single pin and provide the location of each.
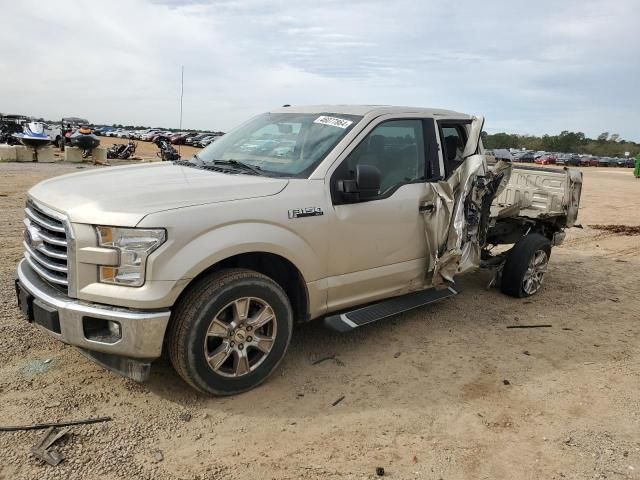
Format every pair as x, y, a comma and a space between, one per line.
371, 110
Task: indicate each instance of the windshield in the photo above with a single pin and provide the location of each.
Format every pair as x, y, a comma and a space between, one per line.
281, 144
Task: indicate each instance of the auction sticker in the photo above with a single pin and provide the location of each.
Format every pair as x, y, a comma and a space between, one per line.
333, 121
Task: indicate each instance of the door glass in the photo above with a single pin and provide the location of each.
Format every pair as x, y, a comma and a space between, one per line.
396, 148
453, 140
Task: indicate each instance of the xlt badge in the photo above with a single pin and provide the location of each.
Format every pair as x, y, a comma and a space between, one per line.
305, 212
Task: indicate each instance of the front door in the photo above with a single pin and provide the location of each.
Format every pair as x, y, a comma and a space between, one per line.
378, 247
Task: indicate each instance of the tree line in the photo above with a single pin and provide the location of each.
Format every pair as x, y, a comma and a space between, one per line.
604, 145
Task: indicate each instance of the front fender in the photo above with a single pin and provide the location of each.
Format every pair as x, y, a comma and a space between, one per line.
186, 260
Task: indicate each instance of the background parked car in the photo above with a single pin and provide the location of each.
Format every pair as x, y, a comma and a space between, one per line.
618, 162
196, 138
588, 161
573, 160
162, 133
102, 131
604, 162
181, 138
207, 140
546, 159
527, 157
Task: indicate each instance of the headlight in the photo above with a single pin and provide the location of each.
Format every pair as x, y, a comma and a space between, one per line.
134, 246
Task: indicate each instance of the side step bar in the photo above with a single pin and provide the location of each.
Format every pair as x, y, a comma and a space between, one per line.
344, 322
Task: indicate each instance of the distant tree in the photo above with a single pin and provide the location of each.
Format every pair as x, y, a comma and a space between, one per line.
565, 142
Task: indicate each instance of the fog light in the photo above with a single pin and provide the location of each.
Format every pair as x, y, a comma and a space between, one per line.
101, 330
114, 328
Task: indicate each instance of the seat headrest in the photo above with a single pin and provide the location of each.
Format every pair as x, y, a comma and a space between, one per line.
451, 146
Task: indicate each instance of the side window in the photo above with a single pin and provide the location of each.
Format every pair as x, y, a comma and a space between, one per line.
453, 139
396, 148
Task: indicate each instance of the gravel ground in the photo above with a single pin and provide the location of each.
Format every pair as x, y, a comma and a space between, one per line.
445, 391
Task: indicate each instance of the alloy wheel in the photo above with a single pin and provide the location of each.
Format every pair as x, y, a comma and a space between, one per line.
240, 337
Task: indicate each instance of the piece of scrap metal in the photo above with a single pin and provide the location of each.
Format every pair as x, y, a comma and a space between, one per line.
41, 449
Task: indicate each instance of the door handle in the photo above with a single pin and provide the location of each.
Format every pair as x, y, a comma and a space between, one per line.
426, 207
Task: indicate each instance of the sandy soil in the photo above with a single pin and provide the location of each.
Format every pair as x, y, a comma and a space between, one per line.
442, 392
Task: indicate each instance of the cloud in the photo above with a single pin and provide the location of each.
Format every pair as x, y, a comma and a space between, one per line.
529, 67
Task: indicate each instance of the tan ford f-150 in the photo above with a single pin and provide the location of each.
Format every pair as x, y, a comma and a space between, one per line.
348, 214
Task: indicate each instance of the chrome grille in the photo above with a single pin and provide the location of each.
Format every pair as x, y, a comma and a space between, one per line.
45, 243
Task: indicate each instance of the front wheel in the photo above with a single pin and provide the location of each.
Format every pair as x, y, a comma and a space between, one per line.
230, 331
526, 265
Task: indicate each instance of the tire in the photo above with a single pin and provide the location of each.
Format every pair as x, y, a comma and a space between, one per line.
526, 264
202, 326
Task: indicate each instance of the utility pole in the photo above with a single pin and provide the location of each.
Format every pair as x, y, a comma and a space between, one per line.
181, 97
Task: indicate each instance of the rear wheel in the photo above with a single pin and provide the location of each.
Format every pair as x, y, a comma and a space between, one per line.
526, 265
230, 331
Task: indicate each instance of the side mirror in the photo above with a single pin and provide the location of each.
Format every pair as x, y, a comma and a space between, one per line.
366, 185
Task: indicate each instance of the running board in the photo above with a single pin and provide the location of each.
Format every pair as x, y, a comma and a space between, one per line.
345, 322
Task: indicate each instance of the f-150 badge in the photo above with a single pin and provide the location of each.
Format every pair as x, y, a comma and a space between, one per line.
305, 212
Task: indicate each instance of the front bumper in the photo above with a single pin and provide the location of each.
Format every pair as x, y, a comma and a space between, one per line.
66, 319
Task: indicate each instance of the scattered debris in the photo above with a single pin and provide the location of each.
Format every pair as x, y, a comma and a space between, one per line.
529, 326
158, 456
185, 416
42, 426
48, 360
380, 471
35, 367
506, 382
615, 300
396, 355
41, 449
337, 401
619, 229
100, 162
324, 359
567, 328
52, 405
526, 352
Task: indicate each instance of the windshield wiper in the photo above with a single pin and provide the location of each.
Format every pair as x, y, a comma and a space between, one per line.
198, 159
240, 166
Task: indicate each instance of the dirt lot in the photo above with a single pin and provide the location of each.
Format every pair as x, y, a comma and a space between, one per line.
445, 391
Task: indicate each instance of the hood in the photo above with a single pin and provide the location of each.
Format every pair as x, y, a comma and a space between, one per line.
122, 196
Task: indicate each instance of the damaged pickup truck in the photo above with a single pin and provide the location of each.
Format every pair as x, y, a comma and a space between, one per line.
348, 214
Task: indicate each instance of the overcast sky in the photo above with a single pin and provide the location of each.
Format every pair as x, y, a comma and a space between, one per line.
529, 67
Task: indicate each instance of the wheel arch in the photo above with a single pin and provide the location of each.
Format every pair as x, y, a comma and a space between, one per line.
280, 269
